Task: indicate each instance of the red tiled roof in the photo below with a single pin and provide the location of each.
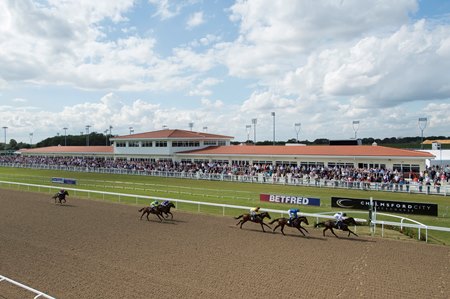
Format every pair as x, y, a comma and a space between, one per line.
69, 149
171, 134
318, 150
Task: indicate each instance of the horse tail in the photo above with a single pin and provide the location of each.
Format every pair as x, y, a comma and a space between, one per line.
273, 221
238, 217
141, 209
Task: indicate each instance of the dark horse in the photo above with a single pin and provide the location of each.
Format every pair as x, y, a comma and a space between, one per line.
297, 223
151, 210
330, 224
259, 218
60, 196
166, 209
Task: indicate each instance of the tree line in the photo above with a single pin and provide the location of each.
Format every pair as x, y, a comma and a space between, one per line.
102, 139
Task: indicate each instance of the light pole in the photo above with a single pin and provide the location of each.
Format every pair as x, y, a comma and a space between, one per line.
4, 128
355, 126
31, 139
110, 132
248, 127
205, 129
422, 125
131, 130
297, 127
273, 114
106, 137
191, 125
65, 136
87, 134
254, 121
165, 127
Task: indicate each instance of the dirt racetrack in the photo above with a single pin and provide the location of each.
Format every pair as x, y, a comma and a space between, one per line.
93, 249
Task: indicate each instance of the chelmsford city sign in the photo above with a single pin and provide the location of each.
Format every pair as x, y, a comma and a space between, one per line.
402, 207
296, 200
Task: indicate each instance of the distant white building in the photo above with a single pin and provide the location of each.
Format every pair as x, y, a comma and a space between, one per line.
188, 146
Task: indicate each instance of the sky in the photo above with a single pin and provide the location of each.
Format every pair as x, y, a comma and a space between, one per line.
336, 68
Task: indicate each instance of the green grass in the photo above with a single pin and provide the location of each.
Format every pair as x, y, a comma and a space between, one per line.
244, 194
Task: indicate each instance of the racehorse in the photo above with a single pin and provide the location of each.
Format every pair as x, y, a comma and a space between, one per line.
60, 196
166, 209
259, 218
297, 223
151, 210
330, 224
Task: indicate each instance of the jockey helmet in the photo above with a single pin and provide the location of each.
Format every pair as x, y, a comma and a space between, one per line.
257, 208
62, 190
156, 202
345, 214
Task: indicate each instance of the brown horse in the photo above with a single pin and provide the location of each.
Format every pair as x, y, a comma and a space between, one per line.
151, 210
60, 196
259, 218
297, 223
166, 209
330, 224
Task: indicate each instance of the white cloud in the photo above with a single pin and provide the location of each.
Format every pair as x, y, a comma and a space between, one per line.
166, 9
196, 19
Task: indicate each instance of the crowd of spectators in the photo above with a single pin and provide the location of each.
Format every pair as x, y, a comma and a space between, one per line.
312, 174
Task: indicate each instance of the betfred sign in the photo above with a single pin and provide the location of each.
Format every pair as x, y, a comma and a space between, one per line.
293, 200
401, 207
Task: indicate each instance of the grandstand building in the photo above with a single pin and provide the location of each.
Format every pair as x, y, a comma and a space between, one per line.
188, 146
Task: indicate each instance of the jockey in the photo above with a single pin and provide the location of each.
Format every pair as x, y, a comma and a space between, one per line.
154, 204
61, 192
254, 212
292, 214
165, 203
339, 216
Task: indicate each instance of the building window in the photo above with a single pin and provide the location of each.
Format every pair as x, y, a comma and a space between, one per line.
286, 163
120, 144
185, 143
147, 143
240, 162
161, 144
210, 142
133, 143
221, 142
201, 160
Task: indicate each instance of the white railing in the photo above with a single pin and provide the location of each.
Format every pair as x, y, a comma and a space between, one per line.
401, 224
175, 200
259, 179
38, 293
419, 226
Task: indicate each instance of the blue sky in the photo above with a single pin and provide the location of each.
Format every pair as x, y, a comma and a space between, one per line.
219, 64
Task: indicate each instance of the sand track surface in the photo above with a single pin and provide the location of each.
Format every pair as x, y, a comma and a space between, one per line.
94, 249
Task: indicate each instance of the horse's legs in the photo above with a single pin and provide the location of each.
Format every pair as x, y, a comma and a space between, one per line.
278, 225
298, 227
332, 230
262, 223
171, 215
262, 226
351, 232
282, 230
240, 222
301, 227
148, 213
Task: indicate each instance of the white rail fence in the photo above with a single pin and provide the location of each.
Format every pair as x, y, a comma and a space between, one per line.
317, 216
199, 204
417, 225
38, 293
